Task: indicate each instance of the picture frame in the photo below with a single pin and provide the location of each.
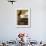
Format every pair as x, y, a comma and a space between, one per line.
23, 17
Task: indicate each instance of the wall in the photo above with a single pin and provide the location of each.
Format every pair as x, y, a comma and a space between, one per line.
8, 28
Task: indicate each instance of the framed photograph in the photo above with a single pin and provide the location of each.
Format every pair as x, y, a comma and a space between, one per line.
23, 16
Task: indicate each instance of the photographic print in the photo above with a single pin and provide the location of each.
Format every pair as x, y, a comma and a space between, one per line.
23, 17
